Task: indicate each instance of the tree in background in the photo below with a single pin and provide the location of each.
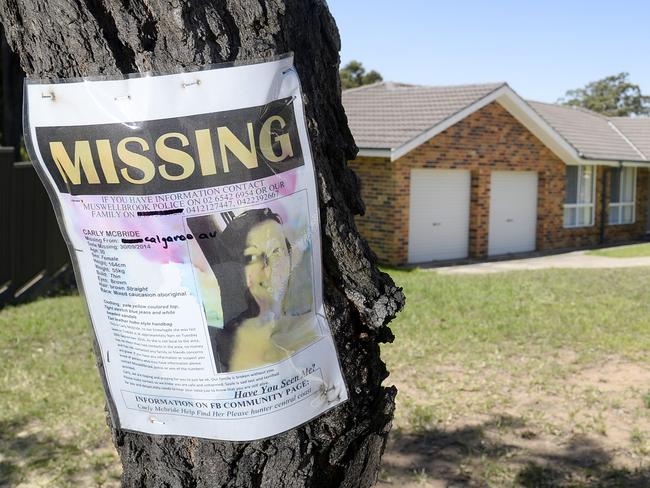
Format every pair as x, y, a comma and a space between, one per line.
354, 74
343, 447
614, 96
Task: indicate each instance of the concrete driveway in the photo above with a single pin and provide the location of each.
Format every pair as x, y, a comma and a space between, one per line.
574, 259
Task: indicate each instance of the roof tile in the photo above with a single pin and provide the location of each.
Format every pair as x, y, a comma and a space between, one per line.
637, 130
387, 115
590, 133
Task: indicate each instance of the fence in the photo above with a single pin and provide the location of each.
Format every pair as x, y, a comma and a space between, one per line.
32, 250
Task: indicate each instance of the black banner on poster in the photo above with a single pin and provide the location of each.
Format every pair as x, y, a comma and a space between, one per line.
175, 154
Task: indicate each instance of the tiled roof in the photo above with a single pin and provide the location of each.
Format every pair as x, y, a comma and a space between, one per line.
593, 135
637, 130
388, 115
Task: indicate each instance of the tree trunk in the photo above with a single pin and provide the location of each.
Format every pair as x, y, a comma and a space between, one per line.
71, 38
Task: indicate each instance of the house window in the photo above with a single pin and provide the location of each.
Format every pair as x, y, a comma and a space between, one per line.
622, 195
579, 199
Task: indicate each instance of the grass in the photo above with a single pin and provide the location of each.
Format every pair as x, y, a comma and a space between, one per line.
52, 423
489, 368
537, 312
493, 369
633, 251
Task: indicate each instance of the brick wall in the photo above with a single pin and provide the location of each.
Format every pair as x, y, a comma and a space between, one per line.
490, 139
379, 188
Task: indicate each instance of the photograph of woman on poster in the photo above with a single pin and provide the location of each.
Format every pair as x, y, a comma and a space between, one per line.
254, 272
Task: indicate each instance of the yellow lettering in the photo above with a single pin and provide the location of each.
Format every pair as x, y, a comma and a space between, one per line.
83, 159
206, 153
228, 140
106, 160
266, 144
174, 156
135, 160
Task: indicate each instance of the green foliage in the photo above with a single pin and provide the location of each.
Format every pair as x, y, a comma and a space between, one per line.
354, 75
614, 96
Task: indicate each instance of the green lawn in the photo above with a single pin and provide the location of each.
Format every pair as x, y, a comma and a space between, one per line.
511, 324
518, 377
52, 423
502, 358
530, 311
633, 251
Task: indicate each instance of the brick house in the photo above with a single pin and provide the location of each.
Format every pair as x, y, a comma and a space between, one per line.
476, 171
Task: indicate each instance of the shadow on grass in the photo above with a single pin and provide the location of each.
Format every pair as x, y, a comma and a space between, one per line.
25, 451
470, 457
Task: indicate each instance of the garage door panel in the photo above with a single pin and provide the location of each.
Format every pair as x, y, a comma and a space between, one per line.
439, 215
513, 212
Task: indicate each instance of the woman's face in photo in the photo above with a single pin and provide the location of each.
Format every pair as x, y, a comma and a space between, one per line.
267, 264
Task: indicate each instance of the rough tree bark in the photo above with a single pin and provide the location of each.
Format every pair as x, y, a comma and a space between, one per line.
66, 38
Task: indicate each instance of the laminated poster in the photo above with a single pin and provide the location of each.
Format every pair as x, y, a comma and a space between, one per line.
189, 206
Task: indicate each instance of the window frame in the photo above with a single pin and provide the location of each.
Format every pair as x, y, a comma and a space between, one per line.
620, 205
579, 206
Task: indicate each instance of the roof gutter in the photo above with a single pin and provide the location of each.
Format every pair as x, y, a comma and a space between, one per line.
618, 163
371, 152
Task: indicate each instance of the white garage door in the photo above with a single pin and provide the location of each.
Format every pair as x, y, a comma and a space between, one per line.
513, 212
439, 215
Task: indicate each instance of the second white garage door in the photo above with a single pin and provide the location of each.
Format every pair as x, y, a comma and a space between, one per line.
513, 212
439, 215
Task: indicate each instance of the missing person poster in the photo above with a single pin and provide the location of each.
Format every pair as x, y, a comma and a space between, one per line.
189, 206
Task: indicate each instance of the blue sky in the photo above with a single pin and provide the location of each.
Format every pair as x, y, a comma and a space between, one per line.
540, 48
